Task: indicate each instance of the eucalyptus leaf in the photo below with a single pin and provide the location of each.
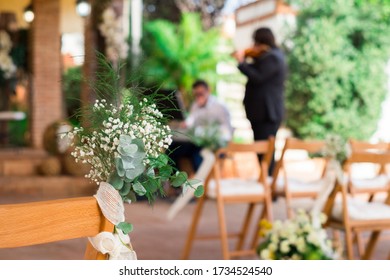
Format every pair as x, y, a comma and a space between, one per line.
131, 196
193, 182
179, 179
116, 181
128, 162
125, 227
139, 189
119, 167
125, 190
125, 139
185, 188
133, 173
199, 191
150, 172
128, 149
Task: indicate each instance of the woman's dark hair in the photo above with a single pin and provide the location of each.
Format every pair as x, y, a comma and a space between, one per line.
264, 35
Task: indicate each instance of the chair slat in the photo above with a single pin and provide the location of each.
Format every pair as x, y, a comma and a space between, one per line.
312, 146
49, 221
370, 157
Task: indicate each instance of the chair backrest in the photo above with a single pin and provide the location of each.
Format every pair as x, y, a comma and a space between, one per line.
360, 146
370, 157
310, 146
264, 147
49, 221
340, 187
378, 159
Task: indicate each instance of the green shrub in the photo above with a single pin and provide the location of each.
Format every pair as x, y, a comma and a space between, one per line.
337, 79
178, 54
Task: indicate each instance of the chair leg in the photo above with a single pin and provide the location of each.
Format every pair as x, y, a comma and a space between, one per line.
371, 245
290, 212
349, 243
255, 239
223, 230
359, 242
245, 226
193, 227
336, 236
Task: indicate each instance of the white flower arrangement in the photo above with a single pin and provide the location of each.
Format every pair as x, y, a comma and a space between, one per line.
112, 31
210, 135
7, 66
301, 238
336, 148
100, 149
124, 142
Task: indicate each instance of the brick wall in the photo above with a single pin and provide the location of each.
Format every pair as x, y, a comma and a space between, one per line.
46, 97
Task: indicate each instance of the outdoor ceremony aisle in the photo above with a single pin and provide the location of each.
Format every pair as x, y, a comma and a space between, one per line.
154, 237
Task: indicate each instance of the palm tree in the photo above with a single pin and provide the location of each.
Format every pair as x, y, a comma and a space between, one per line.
176, 55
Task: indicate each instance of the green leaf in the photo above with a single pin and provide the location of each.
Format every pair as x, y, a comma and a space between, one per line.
179, 179
162, 160
199, 191
193, 182
125, 190
150, 173
165, 172
125, 227
151, 185
116, 181
139, 189
119, 167
131, 196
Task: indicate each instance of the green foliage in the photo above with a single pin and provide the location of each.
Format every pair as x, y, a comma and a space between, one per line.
125, 227
125, 139
337, 64
17, 132
177, 55
71, 87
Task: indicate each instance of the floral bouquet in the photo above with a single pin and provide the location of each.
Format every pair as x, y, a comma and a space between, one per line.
336, 148
210, 135
301, 238
124, 142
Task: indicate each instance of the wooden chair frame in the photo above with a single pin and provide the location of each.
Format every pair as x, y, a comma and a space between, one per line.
357, 226
55, 220
259, 147
313, 146
362, 146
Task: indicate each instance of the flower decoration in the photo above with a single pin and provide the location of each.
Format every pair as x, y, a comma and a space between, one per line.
124, 143
210, 135
301, 238
7, 66
111, 29
336, 148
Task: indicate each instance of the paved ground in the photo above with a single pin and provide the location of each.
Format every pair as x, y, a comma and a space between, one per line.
155, 237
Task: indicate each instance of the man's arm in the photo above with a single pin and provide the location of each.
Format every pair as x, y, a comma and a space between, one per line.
261, 70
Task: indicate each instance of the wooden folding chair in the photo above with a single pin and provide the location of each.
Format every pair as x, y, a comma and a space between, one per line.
377, 180
234, 190
285, 184
49, 221
355, 216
